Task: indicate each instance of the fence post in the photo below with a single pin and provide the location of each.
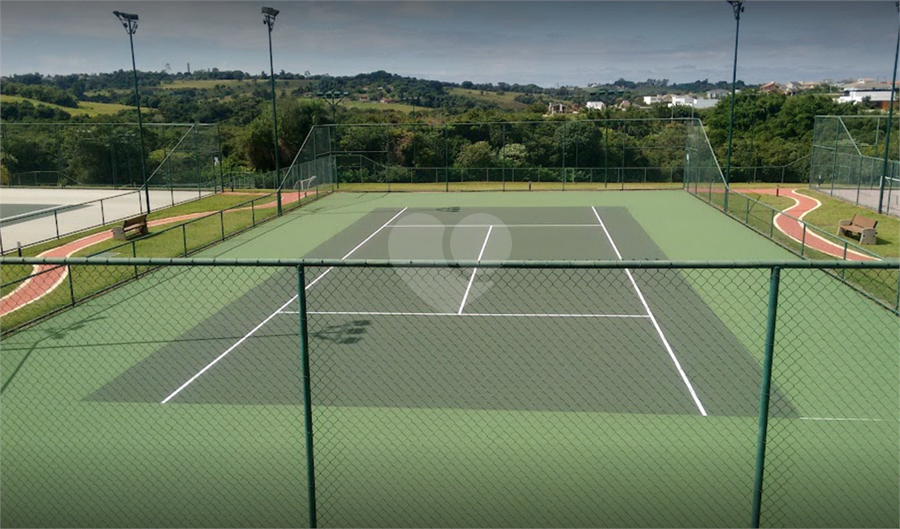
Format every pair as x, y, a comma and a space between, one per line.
56, 221
222, 222
307, 403
184, 237
102, 214
764, 394
134, 254
803, 241
71, 286
772, 224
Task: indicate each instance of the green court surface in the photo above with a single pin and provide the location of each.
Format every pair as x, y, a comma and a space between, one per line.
455, 396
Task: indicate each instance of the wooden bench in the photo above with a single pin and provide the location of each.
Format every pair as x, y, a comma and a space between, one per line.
859, 225
136, 223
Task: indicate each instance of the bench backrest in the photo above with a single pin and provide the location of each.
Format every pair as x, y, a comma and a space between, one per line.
863, 222
136, 220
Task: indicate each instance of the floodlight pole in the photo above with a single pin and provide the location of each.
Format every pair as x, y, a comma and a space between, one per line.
887, 136
130, 23
738, 7
269, 15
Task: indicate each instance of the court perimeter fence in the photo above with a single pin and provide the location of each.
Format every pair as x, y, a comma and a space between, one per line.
176, 155
848, 161
703, 178
386, 416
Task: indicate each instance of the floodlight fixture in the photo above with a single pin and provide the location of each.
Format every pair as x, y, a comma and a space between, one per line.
269, 15
738, 8
130, 23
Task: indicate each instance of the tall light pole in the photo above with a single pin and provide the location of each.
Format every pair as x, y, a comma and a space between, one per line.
130, 23
269, 15
887, 137
738, 7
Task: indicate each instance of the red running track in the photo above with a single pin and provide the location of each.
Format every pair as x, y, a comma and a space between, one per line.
788, 222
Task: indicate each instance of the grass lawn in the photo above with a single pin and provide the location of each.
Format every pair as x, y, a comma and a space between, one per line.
833, 211
378, 187
85, 108
242, 86
506, 100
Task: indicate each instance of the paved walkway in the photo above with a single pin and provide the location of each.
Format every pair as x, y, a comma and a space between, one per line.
788, 222
45, 278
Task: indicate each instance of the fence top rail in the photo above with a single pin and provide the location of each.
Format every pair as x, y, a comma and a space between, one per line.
397, 263
480, 123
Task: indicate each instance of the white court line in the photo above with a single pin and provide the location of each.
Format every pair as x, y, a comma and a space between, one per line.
468, 314
475, 270
260, 326
853, 419
398, 226
659, 331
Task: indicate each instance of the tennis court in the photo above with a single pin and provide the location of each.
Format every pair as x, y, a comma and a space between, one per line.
478, 396
617, 313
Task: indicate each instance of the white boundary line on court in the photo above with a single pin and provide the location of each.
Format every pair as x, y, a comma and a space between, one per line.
265, 321
475, 270
659, 331
443, 226
467, 314
849, 419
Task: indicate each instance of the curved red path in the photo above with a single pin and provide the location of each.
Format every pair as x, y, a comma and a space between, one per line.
44, 278
788, 222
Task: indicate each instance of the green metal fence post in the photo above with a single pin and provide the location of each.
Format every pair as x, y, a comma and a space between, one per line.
71, 286
772, 224
764, 394
222, 222
803, 241
184, 237
307, 403
134, 254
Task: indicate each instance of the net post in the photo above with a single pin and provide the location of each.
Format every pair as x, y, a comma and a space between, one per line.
307, 404
764, 394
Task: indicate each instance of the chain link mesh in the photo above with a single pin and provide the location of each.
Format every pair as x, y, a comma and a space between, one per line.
452, 396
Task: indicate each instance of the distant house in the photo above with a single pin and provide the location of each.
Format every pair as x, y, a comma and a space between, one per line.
718, 93
556, 108
652, 100
770, 88
877, 93
599, 105
682, 100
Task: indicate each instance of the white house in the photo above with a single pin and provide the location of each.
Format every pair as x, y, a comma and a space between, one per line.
878, 93
599, 105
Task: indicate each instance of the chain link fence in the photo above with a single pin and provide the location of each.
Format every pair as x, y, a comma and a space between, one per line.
495, 156
176, 155
848, 161
350, 393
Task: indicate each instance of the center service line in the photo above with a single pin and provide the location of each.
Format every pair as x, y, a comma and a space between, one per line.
475, 270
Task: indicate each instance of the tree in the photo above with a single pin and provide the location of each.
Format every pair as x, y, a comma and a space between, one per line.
478, 154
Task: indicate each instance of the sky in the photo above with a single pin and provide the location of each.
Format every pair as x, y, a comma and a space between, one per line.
547, 43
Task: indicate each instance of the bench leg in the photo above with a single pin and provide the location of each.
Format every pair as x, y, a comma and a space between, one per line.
118, 233
867, 237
